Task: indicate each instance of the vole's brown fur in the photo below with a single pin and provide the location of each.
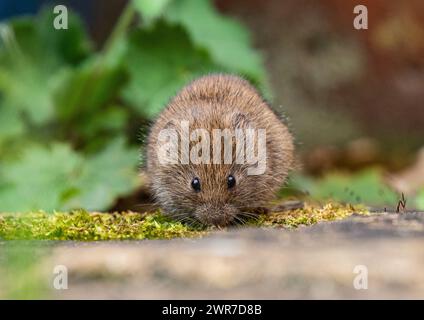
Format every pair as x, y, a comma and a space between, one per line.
218, 102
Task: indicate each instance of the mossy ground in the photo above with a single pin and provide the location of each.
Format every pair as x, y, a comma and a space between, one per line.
84, 226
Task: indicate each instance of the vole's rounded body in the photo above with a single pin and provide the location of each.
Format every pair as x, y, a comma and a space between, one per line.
216, 193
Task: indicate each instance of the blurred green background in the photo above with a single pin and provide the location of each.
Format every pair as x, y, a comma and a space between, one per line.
75, 104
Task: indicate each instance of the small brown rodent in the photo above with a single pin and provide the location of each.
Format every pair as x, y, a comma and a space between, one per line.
216, 192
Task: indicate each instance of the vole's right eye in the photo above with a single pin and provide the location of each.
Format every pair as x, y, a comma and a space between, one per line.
195, 184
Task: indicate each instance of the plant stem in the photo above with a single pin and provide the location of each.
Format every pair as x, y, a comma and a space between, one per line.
120, 28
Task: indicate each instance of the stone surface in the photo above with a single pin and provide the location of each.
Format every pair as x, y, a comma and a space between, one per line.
310, 262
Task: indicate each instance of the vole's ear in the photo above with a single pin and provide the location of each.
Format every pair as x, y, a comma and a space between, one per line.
170, 125
240, 120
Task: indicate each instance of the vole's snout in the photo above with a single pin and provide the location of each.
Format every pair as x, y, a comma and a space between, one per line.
217, 215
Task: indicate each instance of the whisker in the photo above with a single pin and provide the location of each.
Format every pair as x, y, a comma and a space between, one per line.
240, 220
249, 214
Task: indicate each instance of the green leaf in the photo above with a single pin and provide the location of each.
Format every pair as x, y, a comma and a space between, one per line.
160, 61
150, 9
58, 178
112, 119
365, 187
11, 124
31, 55
25, 89
86, 103
39, 42
85, 89
226, 40
38, 179
106, 176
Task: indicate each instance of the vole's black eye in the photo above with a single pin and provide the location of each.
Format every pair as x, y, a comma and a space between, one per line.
195, 184
231, 181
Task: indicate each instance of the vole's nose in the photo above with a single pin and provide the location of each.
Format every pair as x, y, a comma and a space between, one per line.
217, 219
217, 215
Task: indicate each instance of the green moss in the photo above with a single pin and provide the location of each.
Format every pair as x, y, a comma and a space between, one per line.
85, 226
309, 215
81, 225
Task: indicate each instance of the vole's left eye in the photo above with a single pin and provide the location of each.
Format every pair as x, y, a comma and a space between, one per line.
195, 184
231, 181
